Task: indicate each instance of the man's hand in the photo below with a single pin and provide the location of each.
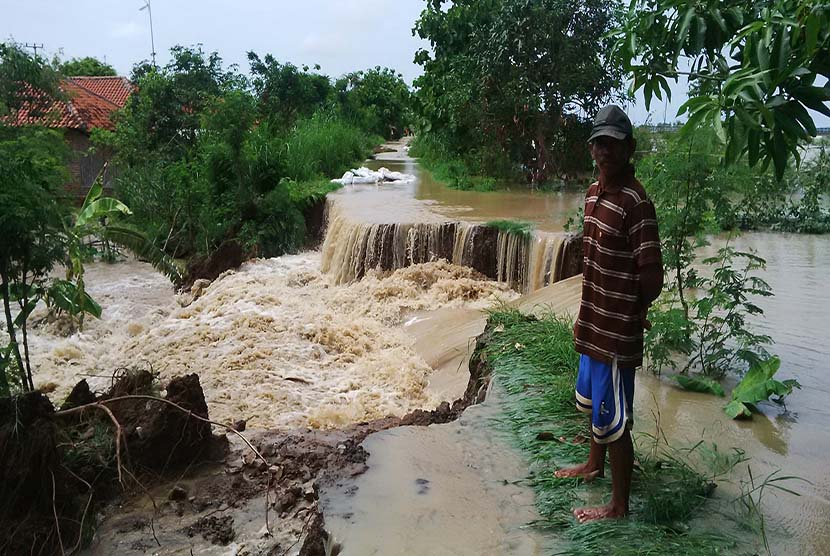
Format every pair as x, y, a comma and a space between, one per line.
644, 319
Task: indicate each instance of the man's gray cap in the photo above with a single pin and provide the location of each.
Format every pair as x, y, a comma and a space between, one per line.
611, 121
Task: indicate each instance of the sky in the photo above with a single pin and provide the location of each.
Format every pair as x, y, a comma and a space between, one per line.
340, 35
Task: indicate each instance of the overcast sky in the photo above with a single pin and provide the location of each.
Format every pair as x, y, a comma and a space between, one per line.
340, 35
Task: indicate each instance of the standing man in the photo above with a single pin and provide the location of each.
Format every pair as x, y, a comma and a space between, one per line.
622, 274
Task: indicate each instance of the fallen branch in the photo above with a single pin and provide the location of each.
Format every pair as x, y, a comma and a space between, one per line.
102, 405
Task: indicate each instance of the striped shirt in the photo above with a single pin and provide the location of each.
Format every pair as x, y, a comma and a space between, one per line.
620, 237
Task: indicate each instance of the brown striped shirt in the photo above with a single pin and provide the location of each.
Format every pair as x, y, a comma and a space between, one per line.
620, 237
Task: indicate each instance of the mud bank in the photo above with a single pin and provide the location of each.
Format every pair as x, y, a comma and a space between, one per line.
255, 503
88, 451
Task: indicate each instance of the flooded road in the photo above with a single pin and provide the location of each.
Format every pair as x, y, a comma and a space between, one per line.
444, 490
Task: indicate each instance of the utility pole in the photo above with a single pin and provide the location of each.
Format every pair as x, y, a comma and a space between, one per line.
147, 7
34, 47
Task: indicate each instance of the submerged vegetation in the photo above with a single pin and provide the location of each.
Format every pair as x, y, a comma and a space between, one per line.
534, 362
702, 322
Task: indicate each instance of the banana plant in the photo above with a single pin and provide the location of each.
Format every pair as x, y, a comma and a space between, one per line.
98, 218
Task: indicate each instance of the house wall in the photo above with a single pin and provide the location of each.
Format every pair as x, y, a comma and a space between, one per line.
85, 166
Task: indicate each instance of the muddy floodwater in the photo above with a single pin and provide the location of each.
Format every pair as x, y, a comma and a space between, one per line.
286, 344
794, 439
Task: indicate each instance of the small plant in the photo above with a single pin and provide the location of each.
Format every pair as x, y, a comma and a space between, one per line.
514, 227
758, 385
752, 494
720, 333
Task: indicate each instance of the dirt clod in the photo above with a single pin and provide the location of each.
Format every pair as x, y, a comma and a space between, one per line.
217, 530
80, 395
177, 493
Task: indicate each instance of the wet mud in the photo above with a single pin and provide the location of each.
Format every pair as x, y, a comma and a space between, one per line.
247, 504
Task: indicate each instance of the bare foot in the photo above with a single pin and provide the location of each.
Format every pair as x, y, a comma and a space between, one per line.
587, 472
583, 515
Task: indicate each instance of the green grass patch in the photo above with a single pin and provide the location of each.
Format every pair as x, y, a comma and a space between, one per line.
325, 146
534, 362
515, 227
452, 170
305, 193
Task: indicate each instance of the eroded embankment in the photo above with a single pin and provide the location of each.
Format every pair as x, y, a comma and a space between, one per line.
263, 502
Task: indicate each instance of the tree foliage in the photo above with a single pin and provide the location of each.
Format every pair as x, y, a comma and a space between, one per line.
520, 77
25, 80
694, 196
377, 99
754, 68
32, 171
205, 153
286, 92
86, 66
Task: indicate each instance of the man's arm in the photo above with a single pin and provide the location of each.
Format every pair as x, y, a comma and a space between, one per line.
644, 240
651, 282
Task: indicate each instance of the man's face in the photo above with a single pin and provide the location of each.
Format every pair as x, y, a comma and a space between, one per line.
611, 155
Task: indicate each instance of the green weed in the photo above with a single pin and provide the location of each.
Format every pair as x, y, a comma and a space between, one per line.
325, 146
515, 227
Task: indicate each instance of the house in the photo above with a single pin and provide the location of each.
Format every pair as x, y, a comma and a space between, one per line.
89, 104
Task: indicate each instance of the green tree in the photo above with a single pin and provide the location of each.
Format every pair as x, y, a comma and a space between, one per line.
286, 92
32, 170
377, 99
164, 115
86, 66
520, 76
25, 80
753, 68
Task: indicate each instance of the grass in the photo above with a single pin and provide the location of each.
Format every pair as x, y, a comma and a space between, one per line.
325, 146
305, 193
453, 171
515, 227
534, 362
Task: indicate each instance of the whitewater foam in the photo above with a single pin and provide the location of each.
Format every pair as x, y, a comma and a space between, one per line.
278, 342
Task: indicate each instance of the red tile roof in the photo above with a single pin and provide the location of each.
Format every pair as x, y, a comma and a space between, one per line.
90, 104
114, 89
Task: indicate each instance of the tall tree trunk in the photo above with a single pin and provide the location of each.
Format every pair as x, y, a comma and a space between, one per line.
540, 174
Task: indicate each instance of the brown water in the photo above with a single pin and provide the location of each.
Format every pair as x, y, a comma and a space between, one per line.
794, 439
278, 341
548, 211
448, 489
